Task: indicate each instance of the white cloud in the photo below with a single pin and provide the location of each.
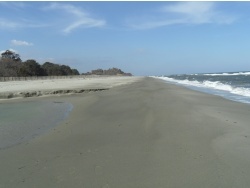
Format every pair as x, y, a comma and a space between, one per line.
86, 22
199, 13
191, 8
21, 43
80, 18
186, 13
8, 24
67, 8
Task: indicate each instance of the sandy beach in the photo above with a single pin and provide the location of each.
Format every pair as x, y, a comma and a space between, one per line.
140, 133
15, 89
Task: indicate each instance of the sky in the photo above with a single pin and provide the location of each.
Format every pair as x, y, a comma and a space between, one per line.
143, 38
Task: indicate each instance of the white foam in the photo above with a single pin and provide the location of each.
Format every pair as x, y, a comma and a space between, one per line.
228, 74
211, 85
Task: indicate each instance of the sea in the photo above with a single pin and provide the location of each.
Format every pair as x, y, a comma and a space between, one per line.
230, 85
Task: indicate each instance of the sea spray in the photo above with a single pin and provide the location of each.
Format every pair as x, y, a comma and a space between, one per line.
232, 85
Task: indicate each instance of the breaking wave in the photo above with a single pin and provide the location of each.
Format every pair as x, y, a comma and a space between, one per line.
227, 74
215, 87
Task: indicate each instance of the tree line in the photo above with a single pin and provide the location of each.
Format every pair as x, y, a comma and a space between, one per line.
11, 65
112, 71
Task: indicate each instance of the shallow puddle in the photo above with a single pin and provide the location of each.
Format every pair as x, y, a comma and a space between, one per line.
23, 121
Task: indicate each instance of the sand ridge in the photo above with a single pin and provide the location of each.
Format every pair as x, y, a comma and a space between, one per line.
31, 88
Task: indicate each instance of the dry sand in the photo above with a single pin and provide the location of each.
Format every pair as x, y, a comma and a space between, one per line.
143, 135
13, 89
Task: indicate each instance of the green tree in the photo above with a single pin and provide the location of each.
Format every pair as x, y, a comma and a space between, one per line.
12, 65
10, 55
97, 72
66, 70
113, 71
31, 68
75, 72
9, 68
52, 69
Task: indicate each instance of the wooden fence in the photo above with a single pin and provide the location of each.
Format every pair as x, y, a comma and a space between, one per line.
7, 79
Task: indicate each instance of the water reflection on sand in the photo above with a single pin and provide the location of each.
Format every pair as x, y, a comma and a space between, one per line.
22, 121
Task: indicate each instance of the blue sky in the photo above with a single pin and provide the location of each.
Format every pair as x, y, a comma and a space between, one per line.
144, 38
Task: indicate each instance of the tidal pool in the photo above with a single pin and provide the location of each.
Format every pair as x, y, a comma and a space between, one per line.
23, 121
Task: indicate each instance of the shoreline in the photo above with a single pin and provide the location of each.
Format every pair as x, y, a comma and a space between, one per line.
230, 92
145, 134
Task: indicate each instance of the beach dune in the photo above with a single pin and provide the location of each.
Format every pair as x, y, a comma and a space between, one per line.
140, 135
31, 88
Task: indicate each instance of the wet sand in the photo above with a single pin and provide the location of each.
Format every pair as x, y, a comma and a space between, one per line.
142, 135
25, 120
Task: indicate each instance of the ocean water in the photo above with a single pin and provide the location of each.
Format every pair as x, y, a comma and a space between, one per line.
20, 122
230, 85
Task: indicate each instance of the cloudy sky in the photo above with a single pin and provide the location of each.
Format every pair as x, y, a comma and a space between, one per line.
144, 38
